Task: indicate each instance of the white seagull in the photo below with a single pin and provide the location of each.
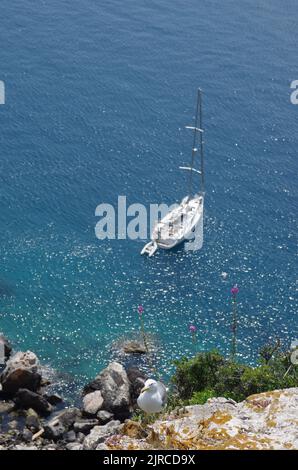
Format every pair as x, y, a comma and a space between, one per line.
153, 397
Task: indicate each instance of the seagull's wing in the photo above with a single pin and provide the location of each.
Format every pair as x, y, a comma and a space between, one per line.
163, 393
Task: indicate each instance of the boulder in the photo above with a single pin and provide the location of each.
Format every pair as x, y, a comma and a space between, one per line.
85, 425
265, 421
61, 424
27, 435
53, 399
70, 436
32, 420
13, 424
102, 446
74, 446
99, 434
23, 447
104, 416
69, 416
54, 430
80, 437
27, 399
114, 386
21, 371
6, 406
92, 402
58, 427
7, 346
137, 381
51, 446
134, 347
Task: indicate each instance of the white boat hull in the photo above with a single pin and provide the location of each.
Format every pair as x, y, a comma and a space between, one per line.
177, 226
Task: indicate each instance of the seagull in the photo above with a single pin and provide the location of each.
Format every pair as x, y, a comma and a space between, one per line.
153, 397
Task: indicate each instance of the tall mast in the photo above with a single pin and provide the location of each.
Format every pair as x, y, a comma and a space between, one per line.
201, 144
197, 130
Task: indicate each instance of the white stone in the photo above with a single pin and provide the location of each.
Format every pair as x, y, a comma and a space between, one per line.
99, 434
92, 402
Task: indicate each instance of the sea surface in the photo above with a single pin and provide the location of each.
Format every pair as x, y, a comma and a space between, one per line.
97, 97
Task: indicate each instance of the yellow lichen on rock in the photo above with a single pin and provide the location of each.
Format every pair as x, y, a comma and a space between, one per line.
263, 421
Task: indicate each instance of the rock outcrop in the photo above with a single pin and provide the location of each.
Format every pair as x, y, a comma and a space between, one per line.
114, 385
92, 403
134, 347
137, 381
107, 401
99, 434
265, 421
21, 371
26, 399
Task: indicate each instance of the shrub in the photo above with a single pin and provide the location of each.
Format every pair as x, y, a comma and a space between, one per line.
228, 383
257, 380
200, 398
197, 374
210, 374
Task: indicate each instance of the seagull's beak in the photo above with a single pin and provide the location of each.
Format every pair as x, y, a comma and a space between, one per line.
145, 389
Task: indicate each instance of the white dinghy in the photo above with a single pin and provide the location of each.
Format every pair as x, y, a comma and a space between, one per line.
150, 248
181, 222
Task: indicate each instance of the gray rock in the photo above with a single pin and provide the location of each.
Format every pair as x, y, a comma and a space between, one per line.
80, 437
54, 430
102, 446
115, 389
21, 371
74, 446
7, 346
134, 347
6, 406
92, 403
27, 435
53, 399
99, 434
60, 424
27, 399
69, 416
85, 425
137, 380
32, 421
23, 447
13, 424
221, 401
70, 436
104, 416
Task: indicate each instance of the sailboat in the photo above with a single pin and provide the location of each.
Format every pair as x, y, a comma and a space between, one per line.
181, 223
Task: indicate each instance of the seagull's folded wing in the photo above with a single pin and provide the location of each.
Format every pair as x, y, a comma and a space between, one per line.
163, 393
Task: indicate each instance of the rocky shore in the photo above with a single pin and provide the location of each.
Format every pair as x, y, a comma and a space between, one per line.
31, 418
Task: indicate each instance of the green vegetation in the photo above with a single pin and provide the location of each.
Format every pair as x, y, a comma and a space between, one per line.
199, 398
209, 374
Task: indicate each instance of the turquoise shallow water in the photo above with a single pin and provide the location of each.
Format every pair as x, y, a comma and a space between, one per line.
97, 95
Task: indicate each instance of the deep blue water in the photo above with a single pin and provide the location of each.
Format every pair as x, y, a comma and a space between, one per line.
97, 94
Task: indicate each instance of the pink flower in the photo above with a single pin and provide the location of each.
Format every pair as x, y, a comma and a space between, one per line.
234, 290
192, 328
140, 309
